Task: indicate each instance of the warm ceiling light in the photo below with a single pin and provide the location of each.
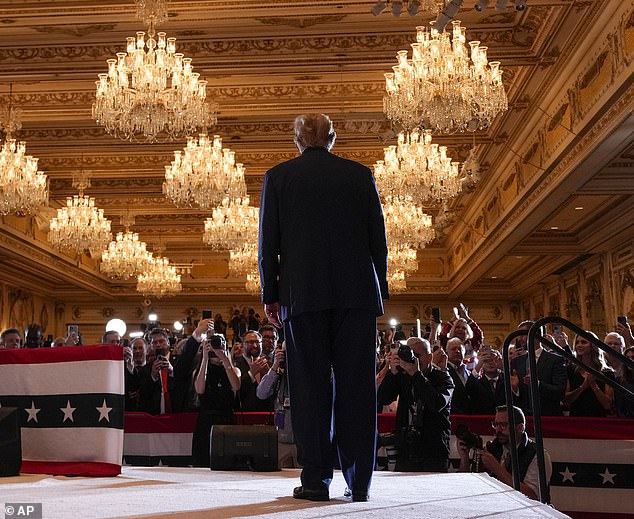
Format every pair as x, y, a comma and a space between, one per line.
554, 228
579, 208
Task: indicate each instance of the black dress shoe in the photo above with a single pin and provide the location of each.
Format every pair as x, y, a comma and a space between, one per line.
311, 495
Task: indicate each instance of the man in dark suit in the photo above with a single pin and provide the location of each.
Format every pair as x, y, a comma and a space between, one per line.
551, 374
323, 269
487, 392
460, 403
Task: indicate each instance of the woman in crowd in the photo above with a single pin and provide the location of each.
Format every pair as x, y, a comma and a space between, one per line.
585, 395
625, 376
217, 384
465, 329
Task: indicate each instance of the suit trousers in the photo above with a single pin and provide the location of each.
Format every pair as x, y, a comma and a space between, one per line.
331, 357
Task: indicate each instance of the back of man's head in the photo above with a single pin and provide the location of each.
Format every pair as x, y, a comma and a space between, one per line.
314, 131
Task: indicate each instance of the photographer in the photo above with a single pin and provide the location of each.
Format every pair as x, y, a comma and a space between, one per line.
424, 387
496, 457
217, 382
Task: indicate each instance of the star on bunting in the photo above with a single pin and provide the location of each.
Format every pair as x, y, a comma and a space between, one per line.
32, 412
568, 476
104, 411
68, 412
607, 476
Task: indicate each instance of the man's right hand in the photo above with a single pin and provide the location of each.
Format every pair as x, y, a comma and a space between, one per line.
272, 312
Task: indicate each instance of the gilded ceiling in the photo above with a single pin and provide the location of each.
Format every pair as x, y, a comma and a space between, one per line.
567, 140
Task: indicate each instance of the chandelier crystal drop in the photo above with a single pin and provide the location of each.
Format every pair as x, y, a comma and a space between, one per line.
444, 87
202, 173
232, 224
23, 188
243, 260
160, 279
406, 224
80, 226
126, 257
151, 89
419, 168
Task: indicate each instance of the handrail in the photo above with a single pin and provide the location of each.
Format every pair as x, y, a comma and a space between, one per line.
533, 334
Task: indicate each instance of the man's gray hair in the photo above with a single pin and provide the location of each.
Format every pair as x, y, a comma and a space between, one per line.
314, 131
419, 340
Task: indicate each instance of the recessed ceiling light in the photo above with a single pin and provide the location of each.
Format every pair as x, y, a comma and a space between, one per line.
554, 228
579, 208
494, 277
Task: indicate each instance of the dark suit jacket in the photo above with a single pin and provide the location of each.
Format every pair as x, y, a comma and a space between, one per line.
322, 216
248, 389
483, 399
460, 401
552, 376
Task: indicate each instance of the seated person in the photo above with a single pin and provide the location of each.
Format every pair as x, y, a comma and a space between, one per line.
585, 395
424, 387
496, 457
486, 390
10, 338
217, 383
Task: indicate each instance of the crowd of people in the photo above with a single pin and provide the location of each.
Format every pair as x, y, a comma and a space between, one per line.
424, 380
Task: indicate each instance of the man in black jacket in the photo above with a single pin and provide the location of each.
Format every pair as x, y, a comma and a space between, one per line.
424, 389
323, 269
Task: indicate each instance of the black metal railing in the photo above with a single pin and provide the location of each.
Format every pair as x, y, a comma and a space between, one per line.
535, 335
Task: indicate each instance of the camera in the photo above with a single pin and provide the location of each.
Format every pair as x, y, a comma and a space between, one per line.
470, 439
217, 341
406, 354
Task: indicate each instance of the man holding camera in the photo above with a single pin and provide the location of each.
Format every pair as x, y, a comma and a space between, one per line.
496, 457
420, 380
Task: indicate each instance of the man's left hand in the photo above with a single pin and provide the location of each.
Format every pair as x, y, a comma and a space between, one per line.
272, 312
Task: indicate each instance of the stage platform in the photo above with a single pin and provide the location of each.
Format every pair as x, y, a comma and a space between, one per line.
191, 493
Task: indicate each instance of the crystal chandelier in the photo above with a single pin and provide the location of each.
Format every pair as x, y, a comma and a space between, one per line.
126, 257
418, 168
201, 173
441, 87
232, 224
80, 226
406, 224
151, 89
396, 281
244, 259
252, 284
160, 279
23, 188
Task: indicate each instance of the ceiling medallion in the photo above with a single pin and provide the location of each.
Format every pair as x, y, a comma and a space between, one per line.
151, 89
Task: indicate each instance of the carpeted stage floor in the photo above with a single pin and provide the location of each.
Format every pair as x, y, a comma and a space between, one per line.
186, 493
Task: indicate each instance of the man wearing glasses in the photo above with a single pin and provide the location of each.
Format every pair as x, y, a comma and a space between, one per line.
496, 456
253, 366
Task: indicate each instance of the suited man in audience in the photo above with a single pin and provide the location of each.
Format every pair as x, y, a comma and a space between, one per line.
323, 270
486, 392
253, 366
460, 402
551, 374
133, 377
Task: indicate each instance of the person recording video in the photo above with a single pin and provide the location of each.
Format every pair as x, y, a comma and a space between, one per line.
420, 380
495, 458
